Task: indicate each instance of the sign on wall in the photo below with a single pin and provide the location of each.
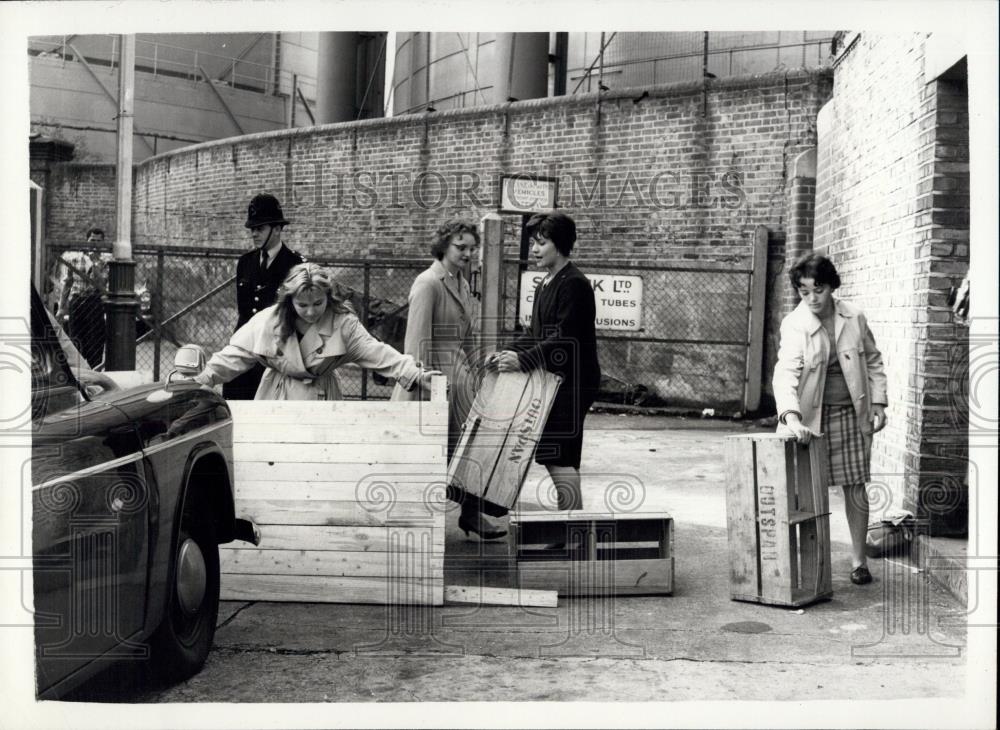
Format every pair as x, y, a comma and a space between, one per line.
527, 194
618, 299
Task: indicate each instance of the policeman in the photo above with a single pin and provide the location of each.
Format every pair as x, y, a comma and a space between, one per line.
259, 273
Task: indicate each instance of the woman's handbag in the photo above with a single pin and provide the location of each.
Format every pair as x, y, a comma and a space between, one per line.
891, 536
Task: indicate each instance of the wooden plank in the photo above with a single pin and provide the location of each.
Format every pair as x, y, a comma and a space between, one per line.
332, 589
344, 412
526, 517
367, 472
741, 520
411, 538
772, 517
755, 327
313, 511
395, 432
601, 577
340, 453
372, 495
488, 596
254, 561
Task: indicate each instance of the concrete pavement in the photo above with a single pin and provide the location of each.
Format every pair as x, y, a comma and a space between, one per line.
900, 637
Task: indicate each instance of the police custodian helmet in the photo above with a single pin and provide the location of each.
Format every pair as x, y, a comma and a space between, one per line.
265, 210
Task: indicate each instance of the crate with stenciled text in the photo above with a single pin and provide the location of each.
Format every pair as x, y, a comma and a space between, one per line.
778, 520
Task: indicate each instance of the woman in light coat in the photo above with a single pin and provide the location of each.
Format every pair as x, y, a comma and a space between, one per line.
829, 380
439, 334
302, 339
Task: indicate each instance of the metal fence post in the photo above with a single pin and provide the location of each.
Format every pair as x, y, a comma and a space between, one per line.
366, 289
157, 313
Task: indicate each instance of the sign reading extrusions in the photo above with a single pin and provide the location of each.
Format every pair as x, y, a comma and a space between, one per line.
527, 194
618, 299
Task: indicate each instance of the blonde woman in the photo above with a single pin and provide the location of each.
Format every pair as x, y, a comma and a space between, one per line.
303, 338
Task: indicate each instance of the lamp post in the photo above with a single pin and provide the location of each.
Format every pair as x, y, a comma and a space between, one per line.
121, 305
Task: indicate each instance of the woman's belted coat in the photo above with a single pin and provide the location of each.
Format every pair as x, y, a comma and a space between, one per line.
302, 367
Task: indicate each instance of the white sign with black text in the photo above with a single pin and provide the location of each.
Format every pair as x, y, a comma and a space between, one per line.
618, 299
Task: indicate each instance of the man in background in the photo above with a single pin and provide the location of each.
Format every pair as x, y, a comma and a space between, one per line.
76, 296
259, 273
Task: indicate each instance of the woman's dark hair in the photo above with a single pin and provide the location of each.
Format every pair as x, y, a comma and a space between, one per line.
95, 231
557, 227
816, 267
447, 231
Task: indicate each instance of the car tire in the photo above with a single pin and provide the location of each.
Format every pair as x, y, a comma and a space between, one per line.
181, 644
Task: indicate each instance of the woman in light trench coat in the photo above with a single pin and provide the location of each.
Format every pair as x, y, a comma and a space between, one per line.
439, 334
302, 339
829, 380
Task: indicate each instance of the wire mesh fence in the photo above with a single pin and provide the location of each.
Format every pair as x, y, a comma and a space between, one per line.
188, 296
683, 345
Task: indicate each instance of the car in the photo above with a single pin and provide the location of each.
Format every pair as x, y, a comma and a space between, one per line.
132, 493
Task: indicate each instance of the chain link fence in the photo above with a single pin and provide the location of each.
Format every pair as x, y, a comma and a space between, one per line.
188, 295
687, 348
684, 344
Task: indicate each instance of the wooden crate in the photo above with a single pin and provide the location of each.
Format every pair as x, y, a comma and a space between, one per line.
778, 519
347, 496
500, 436
602, 554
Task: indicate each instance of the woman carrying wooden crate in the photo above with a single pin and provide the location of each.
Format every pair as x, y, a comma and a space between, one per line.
303, 338
439, 334
829, 380
562, 340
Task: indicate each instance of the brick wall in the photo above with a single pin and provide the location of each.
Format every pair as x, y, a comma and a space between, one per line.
653, 180
79, 196
682, 175
892, 213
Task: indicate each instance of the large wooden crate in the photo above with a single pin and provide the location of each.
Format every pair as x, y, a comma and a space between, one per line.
348, 497
778, 519
500, 436
580, 553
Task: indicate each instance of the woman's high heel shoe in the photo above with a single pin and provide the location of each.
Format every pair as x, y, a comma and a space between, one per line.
480, 527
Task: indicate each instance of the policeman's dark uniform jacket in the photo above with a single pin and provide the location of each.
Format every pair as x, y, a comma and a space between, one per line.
257, 286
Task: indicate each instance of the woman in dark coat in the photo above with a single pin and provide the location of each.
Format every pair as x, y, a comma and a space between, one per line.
562, 340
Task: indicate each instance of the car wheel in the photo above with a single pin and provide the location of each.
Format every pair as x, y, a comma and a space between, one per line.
184, 638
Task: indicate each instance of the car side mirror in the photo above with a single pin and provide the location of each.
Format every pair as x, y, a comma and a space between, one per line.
189, 360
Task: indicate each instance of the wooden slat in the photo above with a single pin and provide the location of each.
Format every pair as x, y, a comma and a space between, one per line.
755, 330
372, 494
603, 577
488, 596
254, 561
332, 589
741, 519
347, 413
385, 432
525, 517
340, 453
314, 511
772, 518
352, 539
366, 472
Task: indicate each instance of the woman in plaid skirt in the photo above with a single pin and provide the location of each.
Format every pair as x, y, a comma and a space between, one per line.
829, 381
